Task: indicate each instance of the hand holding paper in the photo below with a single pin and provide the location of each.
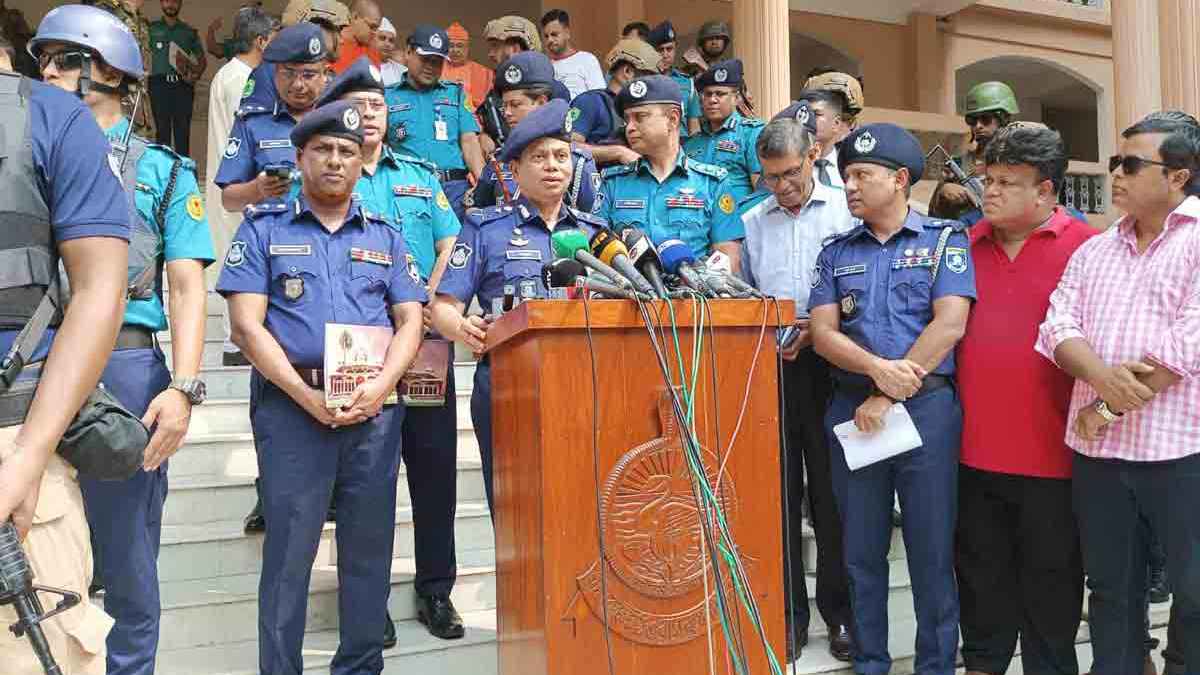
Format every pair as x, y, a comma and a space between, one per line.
899, 435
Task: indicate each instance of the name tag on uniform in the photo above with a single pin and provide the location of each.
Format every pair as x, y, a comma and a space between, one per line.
291, 249
400, 107
412, 191
367, 255
728, 146
685, 202
629, 204
524, 255
443, 101
906, 263
440, 131
274, 144
848, 270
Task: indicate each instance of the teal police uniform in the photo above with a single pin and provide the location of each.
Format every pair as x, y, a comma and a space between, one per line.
885, 293
732, 145
688, 98
126, 516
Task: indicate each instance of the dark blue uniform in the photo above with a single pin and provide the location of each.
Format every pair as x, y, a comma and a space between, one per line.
501, 246
582, 194
313, 277
885, 294
594, 114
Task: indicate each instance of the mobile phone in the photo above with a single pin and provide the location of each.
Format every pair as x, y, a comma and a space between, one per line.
787, 335
278, 171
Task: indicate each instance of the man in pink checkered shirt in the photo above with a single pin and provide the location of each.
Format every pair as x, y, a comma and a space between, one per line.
1125, 322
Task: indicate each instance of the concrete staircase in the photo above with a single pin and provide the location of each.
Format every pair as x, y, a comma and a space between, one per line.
209, 568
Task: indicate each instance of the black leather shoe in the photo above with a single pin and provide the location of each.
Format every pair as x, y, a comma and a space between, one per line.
1158, 590
841, 645
437, 613
797, 643
389, 633
255, 523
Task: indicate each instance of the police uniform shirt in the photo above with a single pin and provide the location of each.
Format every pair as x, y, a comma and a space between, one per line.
259, 92
185, 231
695, 204
581, 193
408, 193
731, 147
312, 277
259, 137
71, 159
885, 291
688, 96
591, 116
161, 37
428, 123
505, 246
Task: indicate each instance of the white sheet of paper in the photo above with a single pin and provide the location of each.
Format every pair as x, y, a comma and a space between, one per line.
898, 436
174, 51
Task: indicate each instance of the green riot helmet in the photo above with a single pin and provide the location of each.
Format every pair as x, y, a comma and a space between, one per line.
991, 97
714, 29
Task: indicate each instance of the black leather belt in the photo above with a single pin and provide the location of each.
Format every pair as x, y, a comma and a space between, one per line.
172, 78
931, 383
452, 174
134, 337
313, 377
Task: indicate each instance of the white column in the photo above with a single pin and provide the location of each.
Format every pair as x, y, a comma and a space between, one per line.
761, 36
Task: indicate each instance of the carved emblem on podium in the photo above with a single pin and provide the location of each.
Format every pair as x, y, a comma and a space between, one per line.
653, 543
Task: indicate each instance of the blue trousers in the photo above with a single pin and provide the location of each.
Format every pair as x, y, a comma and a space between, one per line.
430, 451
926, 480
481, 419
301, 462
455, 189
126, 521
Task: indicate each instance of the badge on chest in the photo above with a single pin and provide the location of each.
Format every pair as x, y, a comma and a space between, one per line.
849, 305
293, 288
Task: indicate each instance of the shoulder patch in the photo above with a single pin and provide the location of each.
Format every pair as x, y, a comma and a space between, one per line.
195, 207
708, 169
236, 255
618, 170
460, 256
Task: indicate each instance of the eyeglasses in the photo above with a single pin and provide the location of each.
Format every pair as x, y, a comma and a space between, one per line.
366, 104
305, 76
1130, 164
987, 119
792, 175
63, 61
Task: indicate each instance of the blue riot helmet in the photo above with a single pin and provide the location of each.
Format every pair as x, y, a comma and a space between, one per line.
99, 33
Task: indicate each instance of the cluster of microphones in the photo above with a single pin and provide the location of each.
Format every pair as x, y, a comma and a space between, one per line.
625, 263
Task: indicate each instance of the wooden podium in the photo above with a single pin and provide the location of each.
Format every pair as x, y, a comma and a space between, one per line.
548, 483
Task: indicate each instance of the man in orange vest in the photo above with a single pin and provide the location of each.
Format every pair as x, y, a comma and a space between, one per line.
474, 77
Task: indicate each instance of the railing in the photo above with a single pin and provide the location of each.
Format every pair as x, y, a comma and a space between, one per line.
1085, 192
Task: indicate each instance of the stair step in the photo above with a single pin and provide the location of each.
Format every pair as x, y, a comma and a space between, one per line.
416, 651
224, 610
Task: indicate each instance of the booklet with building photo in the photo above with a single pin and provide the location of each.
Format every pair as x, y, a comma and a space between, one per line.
353, 355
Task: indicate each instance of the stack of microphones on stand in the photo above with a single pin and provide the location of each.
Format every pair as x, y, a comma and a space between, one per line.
626, 264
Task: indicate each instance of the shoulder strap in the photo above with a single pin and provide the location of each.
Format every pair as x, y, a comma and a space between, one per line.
30, 336
941, 248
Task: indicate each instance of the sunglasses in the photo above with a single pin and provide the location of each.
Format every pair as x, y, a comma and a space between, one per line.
1130, 164
986, 118
63, 61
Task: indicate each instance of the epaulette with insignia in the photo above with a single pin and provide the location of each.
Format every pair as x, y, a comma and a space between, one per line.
248, 110
956, 225
619, 170
708, 169
586, 217
188, 162
491, 214
834, 238
752, 122
416, 160
260, 210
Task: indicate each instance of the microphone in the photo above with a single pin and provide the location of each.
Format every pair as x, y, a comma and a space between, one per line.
608, 248
719, 262
604, 288
677, 259
573, 245
565, 273
645, 258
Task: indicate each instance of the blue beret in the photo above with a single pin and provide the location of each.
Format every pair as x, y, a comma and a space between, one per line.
430, 41
723, 74
661, 34
362, 75
524, 70
649, 89
550, 120
801, 112
340, 119
884, 144
301, 43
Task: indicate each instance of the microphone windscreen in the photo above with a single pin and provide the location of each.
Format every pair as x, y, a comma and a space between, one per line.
567, 242
639, 245
675, 253
562, 273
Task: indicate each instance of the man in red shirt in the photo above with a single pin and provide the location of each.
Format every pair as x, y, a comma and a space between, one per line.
1018, 559
358, 39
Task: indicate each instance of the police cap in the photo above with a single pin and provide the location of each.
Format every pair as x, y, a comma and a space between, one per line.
661, 34
883, 144
302, 43
648, 90
430, 41
362, 75
802, 113
636, 53
523, 71
548, 121
339, 119
721, 74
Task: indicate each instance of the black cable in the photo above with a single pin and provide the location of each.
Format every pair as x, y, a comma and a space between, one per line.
587, 316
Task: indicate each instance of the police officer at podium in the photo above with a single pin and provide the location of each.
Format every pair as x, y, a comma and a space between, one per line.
291, 269
501, 250
890, 302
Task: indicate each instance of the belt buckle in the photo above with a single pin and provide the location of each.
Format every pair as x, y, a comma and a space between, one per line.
172, 78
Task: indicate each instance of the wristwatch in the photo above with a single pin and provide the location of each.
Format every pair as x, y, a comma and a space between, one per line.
1108, 415
192, 387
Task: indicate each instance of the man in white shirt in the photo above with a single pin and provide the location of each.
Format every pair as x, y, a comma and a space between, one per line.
252, 30
784, 234
578, 71
385, 43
